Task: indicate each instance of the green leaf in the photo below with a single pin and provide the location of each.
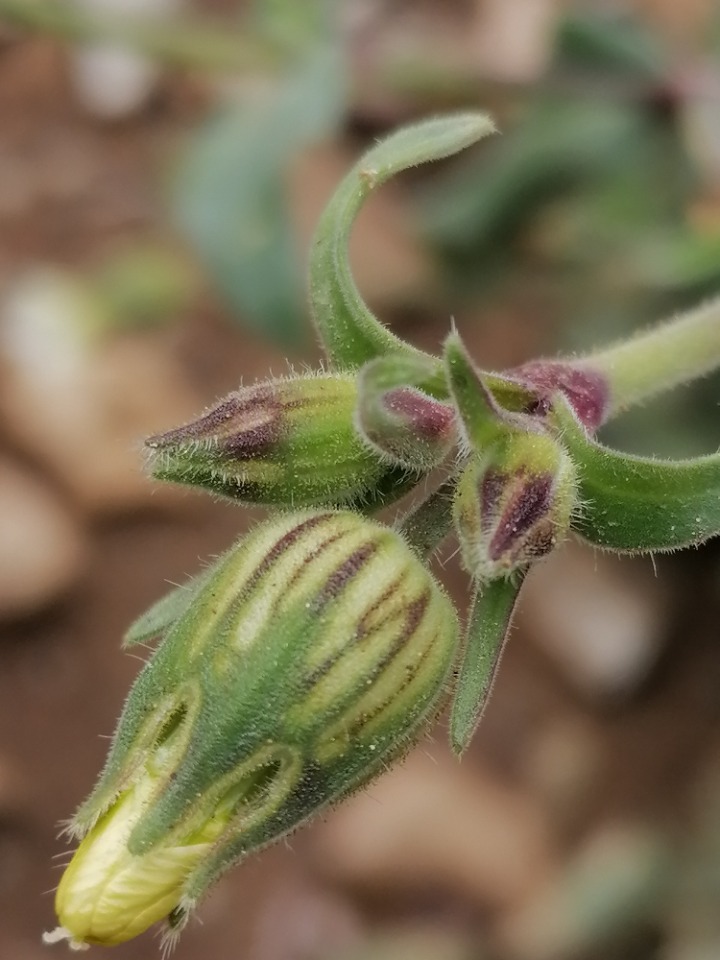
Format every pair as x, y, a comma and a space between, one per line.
351, 334
638, 504
610, 45
483, 419
165, 612
486, 633
230, 195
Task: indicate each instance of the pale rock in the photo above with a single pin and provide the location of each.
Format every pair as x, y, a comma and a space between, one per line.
42, 549
112, 82
432, 824
601, 618
82, 400
514, 41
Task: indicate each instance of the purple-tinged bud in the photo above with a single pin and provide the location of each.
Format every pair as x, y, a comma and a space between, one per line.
397, 416
586, 389
285, 442
513, 505
408, 427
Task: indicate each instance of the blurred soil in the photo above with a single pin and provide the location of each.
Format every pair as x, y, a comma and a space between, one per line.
601, 744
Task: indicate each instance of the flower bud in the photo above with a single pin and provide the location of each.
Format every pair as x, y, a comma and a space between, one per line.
286, 442
401, 421
307, 661
513, 505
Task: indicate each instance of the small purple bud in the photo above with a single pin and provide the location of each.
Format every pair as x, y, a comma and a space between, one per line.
407, 426
586, 389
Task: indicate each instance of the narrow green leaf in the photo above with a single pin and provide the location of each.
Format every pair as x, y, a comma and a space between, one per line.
486, 633
481, 416
351, 334
230, 195
166, 611
639, 504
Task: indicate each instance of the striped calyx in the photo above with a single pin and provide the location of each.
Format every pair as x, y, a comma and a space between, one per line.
513, 504
285, 442
308, 660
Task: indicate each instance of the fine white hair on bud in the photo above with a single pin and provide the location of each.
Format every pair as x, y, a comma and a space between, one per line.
311, 654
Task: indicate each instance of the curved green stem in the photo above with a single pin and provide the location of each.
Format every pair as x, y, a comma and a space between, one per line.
350, 333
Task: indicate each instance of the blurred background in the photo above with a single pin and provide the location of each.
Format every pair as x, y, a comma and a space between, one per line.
162, 166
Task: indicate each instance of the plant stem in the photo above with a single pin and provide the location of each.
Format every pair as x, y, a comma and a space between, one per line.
427, 524
660, 359
186, 43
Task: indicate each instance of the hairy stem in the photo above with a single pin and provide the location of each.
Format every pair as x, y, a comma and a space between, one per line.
427, 524
660, 359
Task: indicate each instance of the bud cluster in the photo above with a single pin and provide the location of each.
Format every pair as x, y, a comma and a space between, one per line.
292, 670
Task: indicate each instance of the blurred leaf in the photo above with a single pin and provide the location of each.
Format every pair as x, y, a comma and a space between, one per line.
609, 44
230, 195
294, 26
679, 260
561, 144
144, 284
636, 504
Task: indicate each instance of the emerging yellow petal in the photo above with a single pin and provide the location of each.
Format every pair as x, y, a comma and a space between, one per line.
107, 895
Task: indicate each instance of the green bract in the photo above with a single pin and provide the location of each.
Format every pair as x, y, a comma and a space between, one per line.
310, 656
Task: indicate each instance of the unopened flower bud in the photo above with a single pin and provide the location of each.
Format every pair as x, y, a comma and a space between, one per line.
308, 660
403, 422
513, 505
289, 442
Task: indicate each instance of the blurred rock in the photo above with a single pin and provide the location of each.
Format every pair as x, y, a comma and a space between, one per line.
600, 617
513, 41
434, 825
304, 922
42, 549
562, 768
614, 884
82, 401
112, 82
421, 941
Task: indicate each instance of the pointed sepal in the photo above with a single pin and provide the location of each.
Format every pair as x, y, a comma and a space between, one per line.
165, 612
486, 634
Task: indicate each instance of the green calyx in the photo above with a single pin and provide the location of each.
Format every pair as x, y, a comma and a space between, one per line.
312, 654
286, 442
